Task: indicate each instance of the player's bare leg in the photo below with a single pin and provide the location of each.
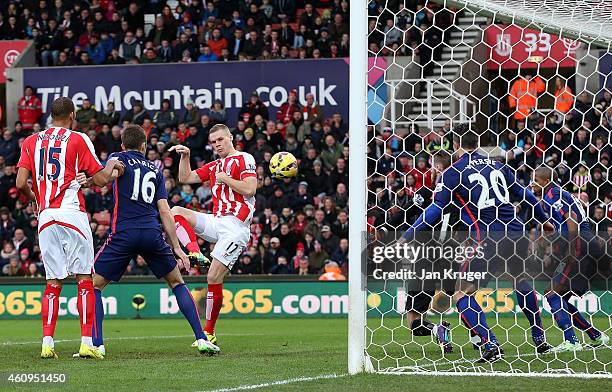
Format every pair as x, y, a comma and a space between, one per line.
189, 309
50, 308
473, 317
185, 222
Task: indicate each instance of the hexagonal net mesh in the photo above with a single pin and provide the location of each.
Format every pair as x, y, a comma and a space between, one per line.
489, 187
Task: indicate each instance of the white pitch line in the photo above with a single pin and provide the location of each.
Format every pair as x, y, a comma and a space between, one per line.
128, 338
505, 374
280, 382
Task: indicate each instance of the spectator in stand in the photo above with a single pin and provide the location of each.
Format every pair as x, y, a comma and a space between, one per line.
29, 109
206, 55
312, 111
564, 99
129, 48
191, 117
136, 114
285, 113
217, 42
217, 113
254, 45
253, 107
9, 148
331, 153
110, 116
86, 113
165, 117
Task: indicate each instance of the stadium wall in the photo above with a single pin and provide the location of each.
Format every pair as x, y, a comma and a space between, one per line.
264, 298
230, 82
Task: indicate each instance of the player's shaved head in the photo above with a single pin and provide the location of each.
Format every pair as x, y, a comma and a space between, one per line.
219, 128
133, 137
61, 108
545, 173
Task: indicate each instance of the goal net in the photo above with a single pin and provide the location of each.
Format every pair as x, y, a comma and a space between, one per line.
529, 83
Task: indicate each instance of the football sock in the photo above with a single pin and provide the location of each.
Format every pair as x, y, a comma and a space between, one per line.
473, 317
98, 338
86, 304
558, 307
580, 322
214, 300
422, 327
189, 309
528, 302
50, 308
185, 234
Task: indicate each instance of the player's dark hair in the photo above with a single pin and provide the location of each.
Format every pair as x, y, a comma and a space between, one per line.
443, 158
61, 108
219, 127
133, 137
465, 137
547, 173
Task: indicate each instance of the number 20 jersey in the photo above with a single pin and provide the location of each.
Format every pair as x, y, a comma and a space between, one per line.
136, 192
482, 189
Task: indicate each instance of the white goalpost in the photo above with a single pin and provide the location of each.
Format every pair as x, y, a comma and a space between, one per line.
417, 69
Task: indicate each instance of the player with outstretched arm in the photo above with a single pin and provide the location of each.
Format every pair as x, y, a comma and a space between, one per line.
482, 189
233, 183
139, 203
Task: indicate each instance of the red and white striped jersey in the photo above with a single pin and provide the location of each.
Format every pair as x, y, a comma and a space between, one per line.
54, 157
238, 166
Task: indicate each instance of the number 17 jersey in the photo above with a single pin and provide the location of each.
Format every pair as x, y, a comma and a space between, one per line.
136, 192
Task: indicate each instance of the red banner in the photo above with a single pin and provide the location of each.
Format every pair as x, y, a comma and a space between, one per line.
513, 47
9, 51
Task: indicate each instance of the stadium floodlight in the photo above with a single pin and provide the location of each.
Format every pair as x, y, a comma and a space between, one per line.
414, 75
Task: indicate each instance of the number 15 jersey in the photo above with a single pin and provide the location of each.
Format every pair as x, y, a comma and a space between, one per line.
54, 157
136, 192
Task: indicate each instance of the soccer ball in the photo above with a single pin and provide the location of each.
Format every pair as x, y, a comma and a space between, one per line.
283, 165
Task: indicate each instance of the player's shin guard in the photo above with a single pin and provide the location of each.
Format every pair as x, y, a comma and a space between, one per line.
189, 309
580, 322
50, 308
185, 234
214, 301
98, 338
528, 302
559, 310
86, 304
474, 319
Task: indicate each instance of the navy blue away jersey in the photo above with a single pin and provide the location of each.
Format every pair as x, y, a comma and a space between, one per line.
483, 190
559, 204
136, 192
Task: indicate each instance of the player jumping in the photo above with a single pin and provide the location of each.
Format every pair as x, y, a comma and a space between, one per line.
54, 157
481, 188
140, 198
576, 236
233, 184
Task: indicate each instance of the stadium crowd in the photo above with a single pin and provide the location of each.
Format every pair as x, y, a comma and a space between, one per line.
300, 226
68, 32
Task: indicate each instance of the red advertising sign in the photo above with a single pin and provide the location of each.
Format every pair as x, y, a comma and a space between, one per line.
513, 47
9, 51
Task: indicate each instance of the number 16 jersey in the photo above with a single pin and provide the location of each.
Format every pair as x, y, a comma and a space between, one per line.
136, 192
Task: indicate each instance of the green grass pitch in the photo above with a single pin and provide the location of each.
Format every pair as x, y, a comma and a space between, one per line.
154, 355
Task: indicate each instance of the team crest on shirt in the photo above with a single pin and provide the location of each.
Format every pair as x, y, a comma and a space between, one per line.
439, 187
557, 205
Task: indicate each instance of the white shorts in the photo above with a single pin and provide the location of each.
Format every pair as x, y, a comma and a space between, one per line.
229, 234
66, 243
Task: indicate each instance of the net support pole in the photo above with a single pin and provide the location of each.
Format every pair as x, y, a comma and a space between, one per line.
357, 185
